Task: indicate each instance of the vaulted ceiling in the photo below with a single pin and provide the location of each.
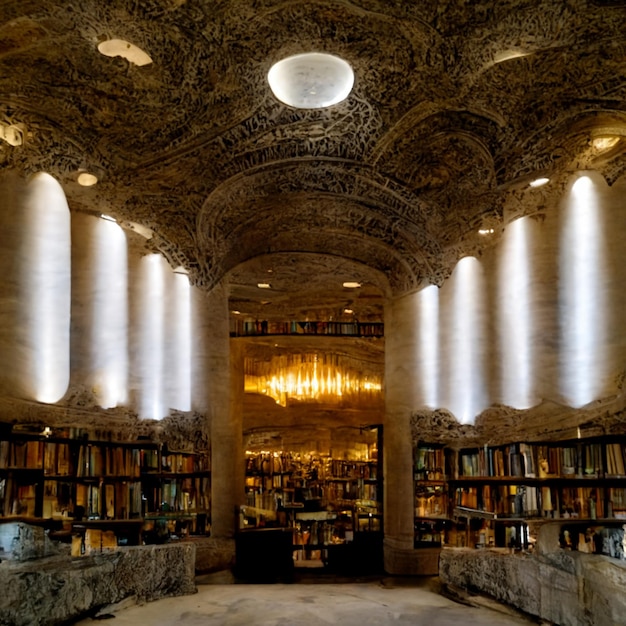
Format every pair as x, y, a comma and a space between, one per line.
456, 107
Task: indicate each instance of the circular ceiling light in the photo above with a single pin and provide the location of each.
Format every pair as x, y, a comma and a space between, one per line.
86, 179
313, 80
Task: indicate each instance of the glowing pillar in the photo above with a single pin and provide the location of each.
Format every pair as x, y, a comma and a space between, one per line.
464, 326
582, 306
514, 310
151, 336
46, 278
428, 346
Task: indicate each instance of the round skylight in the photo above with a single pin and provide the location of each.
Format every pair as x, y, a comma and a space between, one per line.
313, 80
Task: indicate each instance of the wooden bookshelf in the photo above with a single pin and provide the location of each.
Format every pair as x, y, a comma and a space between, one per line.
103, 485
325, 501
492, 493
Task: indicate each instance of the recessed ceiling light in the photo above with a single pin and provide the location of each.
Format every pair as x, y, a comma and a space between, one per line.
264, 286
12, 134
538, 182
485, 231
121, 48
313, 80
602, 144
86, 179
351, 284
507, 55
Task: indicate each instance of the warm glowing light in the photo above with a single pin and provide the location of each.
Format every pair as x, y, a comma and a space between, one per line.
539, 182
507, 55
311, 378
311, 81
486, 231
48, 284
264, 286
351, 284
582, 302
121, 48
602, 144
12, 134
348, 311
86, 179
515, 324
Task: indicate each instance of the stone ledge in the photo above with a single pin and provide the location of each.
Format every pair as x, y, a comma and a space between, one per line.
55, 590
566, 588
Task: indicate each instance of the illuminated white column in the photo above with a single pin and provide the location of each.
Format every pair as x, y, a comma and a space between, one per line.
150, 336
516, 363
178, 337
582, 295
464, 343
100, 309
428, 346
35, 279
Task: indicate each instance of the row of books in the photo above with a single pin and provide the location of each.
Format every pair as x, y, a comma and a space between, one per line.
179, 495
266, 327
92, 460
544, 501
431, 501
544, 461
429, 463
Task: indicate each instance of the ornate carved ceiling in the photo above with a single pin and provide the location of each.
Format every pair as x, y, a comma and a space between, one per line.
456, 107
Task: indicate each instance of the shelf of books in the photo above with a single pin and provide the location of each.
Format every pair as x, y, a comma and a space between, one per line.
431, 467
489, 494
325, 501
66, 480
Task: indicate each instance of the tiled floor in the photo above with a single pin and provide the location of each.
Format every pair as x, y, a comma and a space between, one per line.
313, 602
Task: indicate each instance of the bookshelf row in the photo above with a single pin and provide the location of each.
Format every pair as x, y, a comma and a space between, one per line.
246, 328
68, 481
73, 458
483, 488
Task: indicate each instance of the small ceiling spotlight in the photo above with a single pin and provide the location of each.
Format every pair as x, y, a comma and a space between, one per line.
312, 80
86, 179
539, 182
120, 48
507, 55
13, 134
486, 231
264, 286
349, 284
602, 144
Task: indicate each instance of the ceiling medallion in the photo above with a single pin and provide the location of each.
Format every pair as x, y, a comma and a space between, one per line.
313, 80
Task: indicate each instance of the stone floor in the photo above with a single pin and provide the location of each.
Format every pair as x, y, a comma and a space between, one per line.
312, 602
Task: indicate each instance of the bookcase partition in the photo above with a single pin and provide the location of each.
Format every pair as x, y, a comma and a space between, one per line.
89, 487
328, 501
487, 495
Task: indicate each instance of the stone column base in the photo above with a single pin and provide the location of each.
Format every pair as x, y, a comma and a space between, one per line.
400, 561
